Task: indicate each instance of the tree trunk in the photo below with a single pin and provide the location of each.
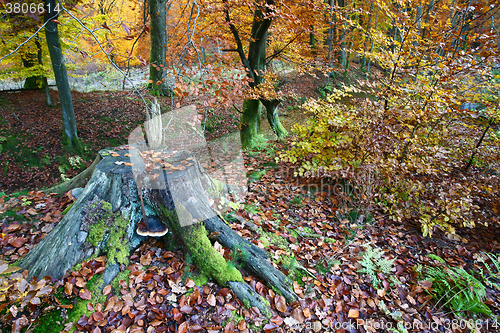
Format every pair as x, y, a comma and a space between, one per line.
255, 64
250, 122
31, 60
70, 137
104, 220
273, 119
157, 66
36, 81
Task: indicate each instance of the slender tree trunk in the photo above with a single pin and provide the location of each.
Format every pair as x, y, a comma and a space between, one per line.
158, 55
373, 44
70, 137
362, 62
312, 40
30, 60
330, 32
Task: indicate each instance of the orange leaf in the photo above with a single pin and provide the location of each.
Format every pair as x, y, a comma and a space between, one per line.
68, 288
106, 290
17, 242
353, 313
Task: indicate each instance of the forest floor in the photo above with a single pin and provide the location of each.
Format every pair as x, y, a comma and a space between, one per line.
319, 240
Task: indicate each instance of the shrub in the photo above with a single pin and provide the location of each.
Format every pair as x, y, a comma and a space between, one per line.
412, 162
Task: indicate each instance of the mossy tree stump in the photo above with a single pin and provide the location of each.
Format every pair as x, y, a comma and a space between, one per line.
105, 217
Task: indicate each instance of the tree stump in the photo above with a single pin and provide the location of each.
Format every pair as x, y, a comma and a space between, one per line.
174, 189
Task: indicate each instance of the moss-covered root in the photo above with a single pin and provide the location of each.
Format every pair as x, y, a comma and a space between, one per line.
210, 261
250, 298
206, 256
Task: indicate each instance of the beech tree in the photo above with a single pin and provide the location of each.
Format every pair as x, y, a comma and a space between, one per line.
255, 65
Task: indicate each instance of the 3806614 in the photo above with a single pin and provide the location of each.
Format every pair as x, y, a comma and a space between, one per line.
30, 8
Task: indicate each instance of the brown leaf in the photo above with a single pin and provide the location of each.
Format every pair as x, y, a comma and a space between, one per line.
98, 316
270, 327
176, 314
211, 300
18, 241
106, 290
85, 294
183, 327
280, 303
146, 260
125, 310
242, 325
298, 315
68, 288
19, 324
277, 320
80, 282
12, 228
190, 283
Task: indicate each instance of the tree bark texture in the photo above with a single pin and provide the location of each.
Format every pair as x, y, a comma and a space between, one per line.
250, 122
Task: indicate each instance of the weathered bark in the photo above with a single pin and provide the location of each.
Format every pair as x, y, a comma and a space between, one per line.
70, 137
80, 235
104, 219
157, 66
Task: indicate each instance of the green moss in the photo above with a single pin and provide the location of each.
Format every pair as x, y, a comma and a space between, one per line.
200, 279
234, 317
49, 322
117, 247
206, 258
246, 303
217, 188
115, 284
66, 210
268, 238
13, 214
97, 232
